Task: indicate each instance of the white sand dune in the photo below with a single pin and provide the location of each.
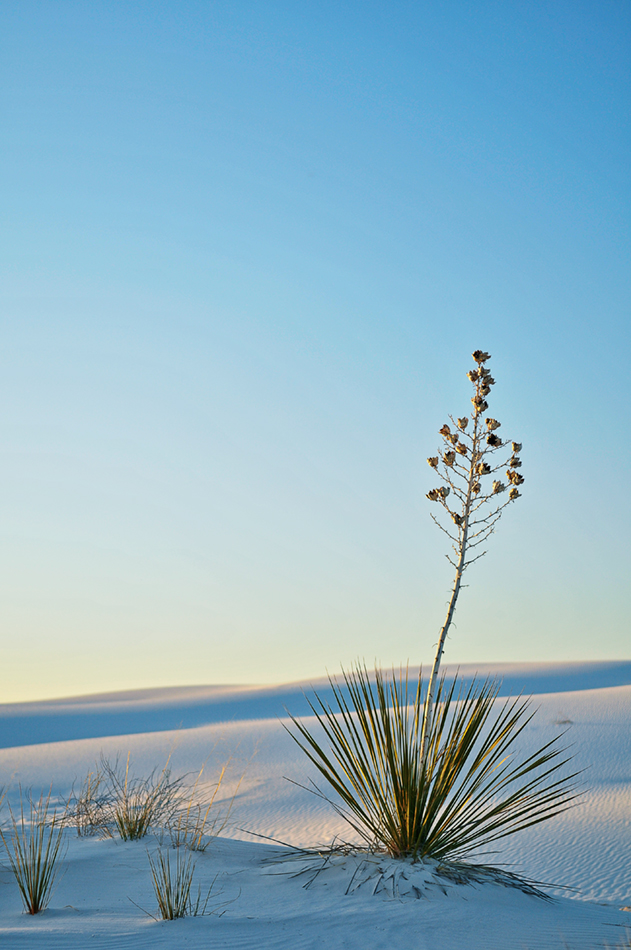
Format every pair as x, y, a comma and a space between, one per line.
588, 849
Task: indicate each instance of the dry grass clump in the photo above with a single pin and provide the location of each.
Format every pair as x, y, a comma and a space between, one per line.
134, 806
199, 820
34, 847
87, 810
173, 885
112, 802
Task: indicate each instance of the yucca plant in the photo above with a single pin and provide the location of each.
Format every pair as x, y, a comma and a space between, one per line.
470, 790
34, 848
435, 773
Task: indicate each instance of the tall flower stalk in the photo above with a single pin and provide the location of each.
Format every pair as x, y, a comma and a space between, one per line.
471, 497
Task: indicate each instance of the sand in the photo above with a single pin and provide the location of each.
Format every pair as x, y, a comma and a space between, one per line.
264, 895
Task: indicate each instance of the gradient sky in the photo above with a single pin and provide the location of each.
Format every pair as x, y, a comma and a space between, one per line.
247, 250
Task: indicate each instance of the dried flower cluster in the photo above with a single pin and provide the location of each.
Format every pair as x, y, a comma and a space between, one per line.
466, 458
468, 496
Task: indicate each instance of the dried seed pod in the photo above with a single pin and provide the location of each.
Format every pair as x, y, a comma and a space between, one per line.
461, 449
514, 462
514, 477
480, 356
517, 447
444, 491
434, 494
475, 488
473, 375
463, 423
513, 494
449, 458
483, 468
457, 519
492, 424
433, 461
480, 404
493, 440
498, 487
445, 430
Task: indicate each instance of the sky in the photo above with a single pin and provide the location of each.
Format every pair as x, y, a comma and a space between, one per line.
247, 250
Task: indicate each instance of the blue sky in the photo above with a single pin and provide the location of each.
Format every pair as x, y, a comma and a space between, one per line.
247, 250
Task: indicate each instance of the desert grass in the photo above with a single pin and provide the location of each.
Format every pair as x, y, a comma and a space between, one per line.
34, 847
469, 790
133, 805
112, 802
87, 809
173, 886
199, 820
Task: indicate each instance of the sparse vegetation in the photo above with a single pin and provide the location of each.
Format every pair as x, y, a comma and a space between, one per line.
34, 847
112, 802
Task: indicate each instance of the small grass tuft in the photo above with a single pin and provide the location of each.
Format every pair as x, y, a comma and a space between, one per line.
173, 886
34, 847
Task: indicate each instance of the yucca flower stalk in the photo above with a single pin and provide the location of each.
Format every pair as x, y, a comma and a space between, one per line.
472, 499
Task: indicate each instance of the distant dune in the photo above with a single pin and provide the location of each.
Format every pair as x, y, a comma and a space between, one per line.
187, 707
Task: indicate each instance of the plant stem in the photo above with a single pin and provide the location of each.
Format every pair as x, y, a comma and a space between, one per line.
460, 566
